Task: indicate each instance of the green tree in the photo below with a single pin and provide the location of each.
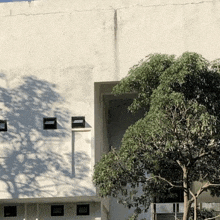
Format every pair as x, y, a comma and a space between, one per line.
176, 143
203, 214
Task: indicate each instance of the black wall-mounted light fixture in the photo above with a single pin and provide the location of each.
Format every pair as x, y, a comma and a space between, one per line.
3, 125
50, 123
78, 122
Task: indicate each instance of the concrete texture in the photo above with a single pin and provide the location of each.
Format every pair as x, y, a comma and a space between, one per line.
57, 58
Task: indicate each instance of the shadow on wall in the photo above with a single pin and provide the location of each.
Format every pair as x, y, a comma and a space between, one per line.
29, 154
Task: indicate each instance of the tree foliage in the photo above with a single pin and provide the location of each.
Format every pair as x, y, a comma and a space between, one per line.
177, 141
202, 214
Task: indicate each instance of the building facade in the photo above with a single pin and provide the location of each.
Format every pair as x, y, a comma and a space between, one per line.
59, 61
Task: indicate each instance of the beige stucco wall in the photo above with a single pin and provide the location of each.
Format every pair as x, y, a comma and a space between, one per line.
49, 65
168, 28
52, 54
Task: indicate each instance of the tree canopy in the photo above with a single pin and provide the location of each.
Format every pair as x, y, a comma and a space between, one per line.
176, 143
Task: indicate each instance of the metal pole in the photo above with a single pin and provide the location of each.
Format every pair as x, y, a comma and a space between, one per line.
154, 214
25, 211
38, 211
175, 205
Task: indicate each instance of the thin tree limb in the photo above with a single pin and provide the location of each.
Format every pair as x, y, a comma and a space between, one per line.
212, 217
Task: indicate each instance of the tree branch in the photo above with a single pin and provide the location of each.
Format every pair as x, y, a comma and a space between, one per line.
167, 181
193, 197
206, 186
201, 156
212, 217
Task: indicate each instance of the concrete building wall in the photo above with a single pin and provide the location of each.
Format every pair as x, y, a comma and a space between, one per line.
55, 58
48, 70
43, 212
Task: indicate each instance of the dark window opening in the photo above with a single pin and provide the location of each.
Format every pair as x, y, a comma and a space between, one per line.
83, 209
3, 125
176, 195
57, 210
10, 211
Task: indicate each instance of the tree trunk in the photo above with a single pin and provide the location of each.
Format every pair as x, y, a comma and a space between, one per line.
186, 194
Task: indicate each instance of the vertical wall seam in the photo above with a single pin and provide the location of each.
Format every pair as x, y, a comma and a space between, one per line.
116, 51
